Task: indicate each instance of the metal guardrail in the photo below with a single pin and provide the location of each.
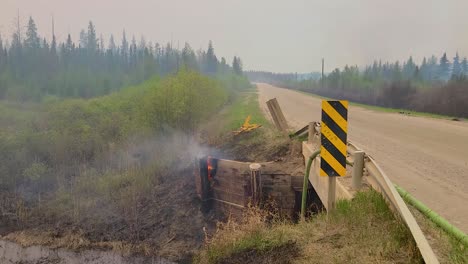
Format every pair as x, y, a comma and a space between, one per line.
434, 217
365, 166
381, 183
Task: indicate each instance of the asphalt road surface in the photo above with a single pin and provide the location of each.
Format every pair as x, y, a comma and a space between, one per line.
426, 156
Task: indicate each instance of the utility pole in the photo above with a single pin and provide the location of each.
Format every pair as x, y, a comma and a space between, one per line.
178, 53
18, 28
53, 27
171, 41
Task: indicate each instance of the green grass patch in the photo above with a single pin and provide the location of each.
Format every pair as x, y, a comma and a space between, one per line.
362, 230
261, 144
457, 252
448, 249
258, 241
246, 104
251, 234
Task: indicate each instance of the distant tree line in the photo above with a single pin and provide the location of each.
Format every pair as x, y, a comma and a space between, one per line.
263, 76
436, 85
32, 67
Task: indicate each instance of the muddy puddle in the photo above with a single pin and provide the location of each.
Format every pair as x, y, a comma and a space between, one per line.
12, 253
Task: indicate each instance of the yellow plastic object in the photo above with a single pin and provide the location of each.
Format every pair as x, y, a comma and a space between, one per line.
246, 127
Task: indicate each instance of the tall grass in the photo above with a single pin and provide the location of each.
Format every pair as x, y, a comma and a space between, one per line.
362, 230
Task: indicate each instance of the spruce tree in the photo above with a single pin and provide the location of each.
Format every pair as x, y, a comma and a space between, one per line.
53, 46
211, 60
188, 57
432, 68
69, 44
45, 45
133, 52
464, 67
112, 47
409, 68
2, 59
424, 70
396, 71
32, 40
223, 65
444, 68
375, 70
91, 39
456, 69
83, 39
67, 51
124, 49
237, 65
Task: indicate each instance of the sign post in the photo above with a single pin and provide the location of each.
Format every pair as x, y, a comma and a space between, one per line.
333, 144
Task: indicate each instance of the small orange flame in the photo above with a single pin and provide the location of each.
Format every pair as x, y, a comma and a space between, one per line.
210, 168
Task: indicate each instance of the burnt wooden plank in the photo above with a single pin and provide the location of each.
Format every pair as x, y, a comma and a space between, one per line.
228, 182
276, 179
235, 198
229, 185
283, 189
299, 132
297, 181
228, 210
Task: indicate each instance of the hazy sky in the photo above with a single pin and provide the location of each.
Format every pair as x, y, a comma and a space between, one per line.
281, 36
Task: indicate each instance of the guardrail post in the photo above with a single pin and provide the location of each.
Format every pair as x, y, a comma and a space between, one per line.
358, 167
311, 131
331, 193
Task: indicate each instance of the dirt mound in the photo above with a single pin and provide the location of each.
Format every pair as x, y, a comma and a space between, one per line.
262, 145
256, 146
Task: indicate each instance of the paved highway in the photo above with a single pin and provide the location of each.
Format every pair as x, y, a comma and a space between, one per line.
426, 156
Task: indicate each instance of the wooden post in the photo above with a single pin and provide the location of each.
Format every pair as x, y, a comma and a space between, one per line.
358, 167
256, 183
331, 193
277, 115
311, 132
280, 114
273, 115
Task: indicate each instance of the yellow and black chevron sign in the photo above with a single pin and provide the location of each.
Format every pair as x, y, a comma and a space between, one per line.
333, 138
